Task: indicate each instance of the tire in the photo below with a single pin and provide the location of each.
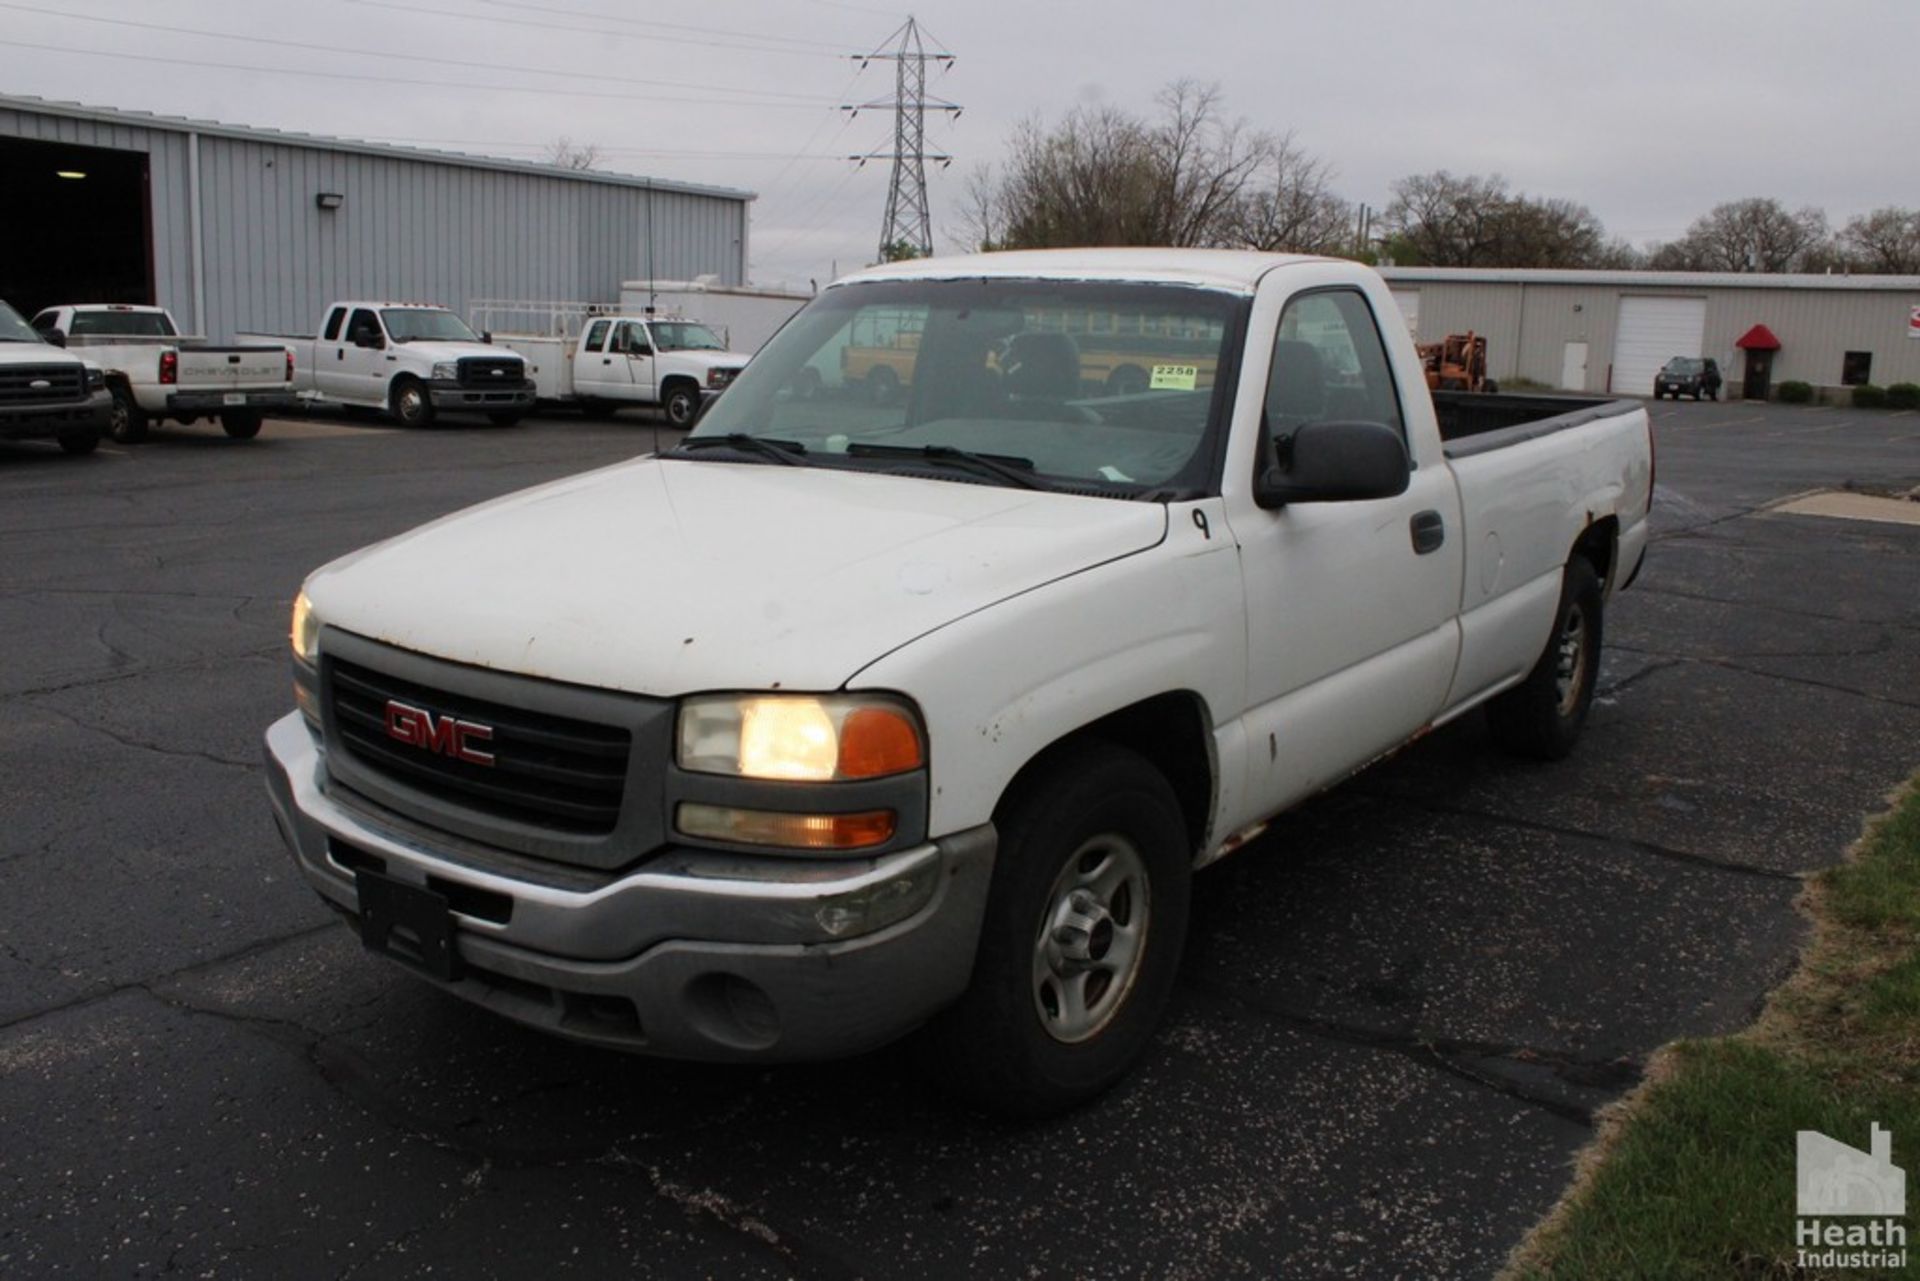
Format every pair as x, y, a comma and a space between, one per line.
681, 405
1094, 854
1128, 380
508, 418
882, 385
242, 426
1489, 387
409, 402
129, 423
1542, 716
80, 440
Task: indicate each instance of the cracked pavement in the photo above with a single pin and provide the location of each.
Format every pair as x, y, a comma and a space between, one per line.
1399, 1009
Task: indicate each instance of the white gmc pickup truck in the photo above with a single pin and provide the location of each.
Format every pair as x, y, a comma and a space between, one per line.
846, 717
409, 360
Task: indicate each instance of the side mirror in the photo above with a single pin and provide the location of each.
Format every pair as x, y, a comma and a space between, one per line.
372, 341
1335, 462
486, 336
54, 336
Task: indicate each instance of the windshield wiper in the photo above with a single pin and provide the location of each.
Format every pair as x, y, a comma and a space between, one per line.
789, 452
1018, 471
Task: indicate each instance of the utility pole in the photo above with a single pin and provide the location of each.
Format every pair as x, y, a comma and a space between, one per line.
907, 229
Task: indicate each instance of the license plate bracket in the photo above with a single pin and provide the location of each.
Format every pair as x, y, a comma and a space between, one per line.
234, 398
410, 924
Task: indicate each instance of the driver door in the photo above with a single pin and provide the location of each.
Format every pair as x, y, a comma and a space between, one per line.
360, 363
637, 342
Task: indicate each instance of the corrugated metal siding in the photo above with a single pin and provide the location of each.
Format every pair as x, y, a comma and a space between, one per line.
408, 228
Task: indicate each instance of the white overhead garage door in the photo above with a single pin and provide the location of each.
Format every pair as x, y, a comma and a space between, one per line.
1653, 331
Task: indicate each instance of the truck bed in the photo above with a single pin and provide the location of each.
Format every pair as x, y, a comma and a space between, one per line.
1475, 423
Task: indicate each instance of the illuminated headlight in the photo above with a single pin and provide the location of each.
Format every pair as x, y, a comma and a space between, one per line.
447, 371
305, 632
814, 738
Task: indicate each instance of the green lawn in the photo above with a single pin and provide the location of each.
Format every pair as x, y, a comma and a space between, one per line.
1693, 1175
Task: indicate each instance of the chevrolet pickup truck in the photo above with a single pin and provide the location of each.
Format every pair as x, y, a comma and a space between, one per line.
601, 361
45, 394
411, 361
842, 718
154, 372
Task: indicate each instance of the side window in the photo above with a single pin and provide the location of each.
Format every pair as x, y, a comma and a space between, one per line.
363, 325
597, 335
1329, 365
634, 340
332, 332
47, 321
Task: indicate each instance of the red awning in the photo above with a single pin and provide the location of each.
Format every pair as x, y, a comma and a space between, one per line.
1759, 338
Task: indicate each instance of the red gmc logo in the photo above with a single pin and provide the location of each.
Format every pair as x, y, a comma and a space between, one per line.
447, 735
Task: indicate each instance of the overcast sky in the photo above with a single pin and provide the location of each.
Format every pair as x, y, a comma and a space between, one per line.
1647, 112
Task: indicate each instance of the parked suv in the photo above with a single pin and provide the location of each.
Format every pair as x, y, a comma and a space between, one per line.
1694, 375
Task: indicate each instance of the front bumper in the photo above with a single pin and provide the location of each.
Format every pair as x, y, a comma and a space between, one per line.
33, 422
691, 954
197, 403
457, 396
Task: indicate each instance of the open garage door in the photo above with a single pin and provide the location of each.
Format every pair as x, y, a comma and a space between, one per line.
76, 225
1653, 331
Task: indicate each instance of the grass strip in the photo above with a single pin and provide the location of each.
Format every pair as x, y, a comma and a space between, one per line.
1692, 1175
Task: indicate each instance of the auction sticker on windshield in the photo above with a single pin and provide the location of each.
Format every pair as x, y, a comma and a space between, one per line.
1175, 377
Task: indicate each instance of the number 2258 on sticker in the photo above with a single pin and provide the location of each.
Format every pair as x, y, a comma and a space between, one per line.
1174, 377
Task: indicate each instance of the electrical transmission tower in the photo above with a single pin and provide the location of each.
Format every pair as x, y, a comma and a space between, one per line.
907, 230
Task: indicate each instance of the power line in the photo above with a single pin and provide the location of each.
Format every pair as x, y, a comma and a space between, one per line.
466, 16
397, 80
404, 57
652, 24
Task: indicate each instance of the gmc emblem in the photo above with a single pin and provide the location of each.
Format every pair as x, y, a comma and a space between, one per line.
448, 735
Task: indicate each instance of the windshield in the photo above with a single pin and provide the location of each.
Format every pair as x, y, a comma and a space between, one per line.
1683, 365
411, 324
13, 328
135, 324
674, 335
1098, 386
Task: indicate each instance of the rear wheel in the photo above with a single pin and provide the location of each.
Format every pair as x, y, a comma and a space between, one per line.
1084, 926
242, 426
1128, 380
80, 440
410, 403
128, 422
682, 404
1542, 716
882, 385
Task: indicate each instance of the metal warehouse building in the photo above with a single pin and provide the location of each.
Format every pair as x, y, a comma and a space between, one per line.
1611, 330
234, 228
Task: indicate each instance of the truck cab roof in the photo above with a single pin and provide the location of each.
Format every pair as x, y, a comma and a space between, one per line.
1236, 270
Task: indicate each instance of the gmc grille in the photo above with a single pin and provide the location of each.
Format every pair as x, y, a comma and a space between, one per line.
491, 371
548, 771
63, 382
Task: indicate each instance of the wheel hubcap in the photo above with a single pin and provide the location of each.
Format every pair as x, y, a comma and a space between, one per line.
1570, 667
1091, 940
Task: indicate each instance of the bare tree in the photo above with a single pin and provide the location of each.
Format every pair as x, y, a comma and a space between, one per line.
1470, 220
1203, 162
1290, 205
563, 154
1884, 242
982, 216
1753, 235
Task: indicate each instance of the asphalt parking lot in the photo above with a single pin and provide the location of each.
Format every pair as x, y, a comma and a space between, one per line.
1399, 1010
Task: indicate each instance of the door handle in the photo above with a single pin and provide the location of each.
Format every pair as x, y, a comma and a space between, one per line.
1429, 531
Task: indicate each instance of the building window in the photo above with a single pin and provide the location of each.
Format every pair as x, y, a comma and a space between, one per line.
1857, 369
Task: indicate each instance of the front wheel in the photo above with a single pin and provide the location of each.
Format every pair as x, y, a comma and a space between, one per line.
410, 403
1084, 926
243, 426
128, 421
682, 404
1541, 717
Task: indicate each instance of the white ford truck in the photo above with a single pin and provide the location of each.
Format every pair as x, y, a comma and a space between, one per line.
600, 362
155, 372
46, 394
411, 361
846, 717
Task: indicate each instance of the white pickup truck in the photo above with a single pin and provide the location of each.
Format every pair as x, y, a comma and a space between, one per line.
155, 372
412, 361
599, 362
845, 717
46, 394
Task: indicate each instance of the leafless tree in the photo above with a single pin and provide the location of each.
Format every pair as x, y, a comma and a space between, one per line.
1758, 234
1885, 242
1473, 220
1290, 205
563, 154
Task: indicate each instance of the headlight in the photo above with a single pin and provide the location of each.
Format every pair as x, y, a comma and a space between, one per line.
447, 371
305, 632
96, 379
815, 738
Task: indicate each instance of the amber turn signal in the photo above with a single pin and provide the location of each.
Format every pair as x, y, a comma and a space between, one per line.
877, 741
789, 831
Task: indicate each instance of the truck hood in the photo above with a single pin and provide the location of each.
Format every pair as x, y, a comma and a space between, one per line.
711, 359
666, 577
433, 349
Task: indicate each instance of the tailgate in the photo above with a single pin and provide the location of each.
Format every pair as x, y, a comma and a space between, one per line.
223, 368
